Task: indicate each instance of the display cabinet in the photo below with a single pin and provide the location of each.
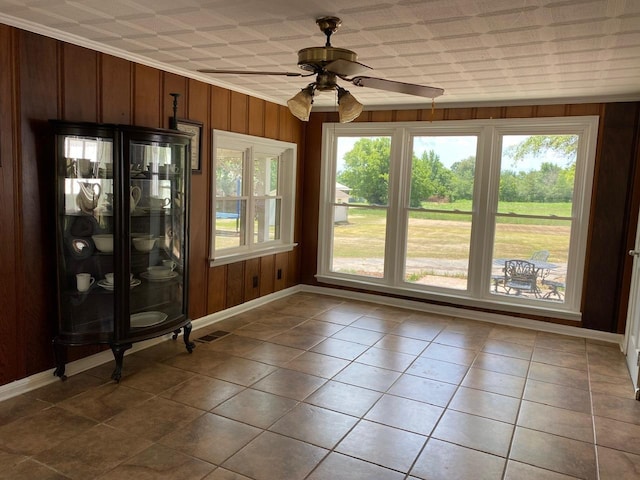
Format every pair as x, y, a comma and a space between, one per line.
122, 225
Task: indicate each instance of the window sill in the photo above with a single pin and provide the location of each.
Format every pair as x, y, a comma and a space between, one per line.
452, 298
240, 257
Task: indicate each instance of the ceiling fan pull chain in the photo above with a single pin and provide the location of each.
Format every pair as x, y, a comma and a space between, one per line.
433, 109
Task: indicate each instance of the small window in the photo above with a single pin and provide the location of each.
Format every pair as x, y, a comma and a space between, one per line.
254, 197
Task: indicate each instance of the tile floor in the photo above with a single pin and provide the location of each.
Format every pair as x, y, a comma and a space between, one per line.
319, 388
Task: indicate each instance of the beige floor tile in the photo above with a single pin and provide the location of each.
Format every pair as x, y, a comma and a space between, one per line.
619, 435
274, 457
514, 335
406, 414
202, 392
315, 425
366, 376
444, 461
561, 396
290, 384
564, 343
376, 324
560, 358
160, 463
21, 406
446, 353
475, 432
559, 375
386, 446
486, 404
241, 371
340, 348
232, 344
155, 418
620, 387
30, 470
58, 391
324, 366
341, 467
617, 465
165, 350
211, 438
260, 330
455, 339
318, 327
558, 421
396, 343
358, 335
348, 399
521, 471
379, 357
224, 474
33, 434
93, 452
260, 409
339, 317
200, 361
494, 382
419, 330
156, 379
437, 370
273, 354
508, 349
618, 408
551, 452
298, 339
502, 364
423, 390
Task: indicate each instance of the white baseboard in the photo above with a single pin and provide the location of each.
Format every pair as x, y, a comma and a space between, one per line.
44, 378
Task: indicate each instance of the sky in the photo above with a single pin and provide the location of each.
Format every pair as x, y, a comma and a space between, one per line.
451, 149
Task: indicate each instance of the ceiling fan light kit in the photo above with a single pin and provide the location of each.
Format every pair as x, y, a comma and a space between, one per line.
328, 64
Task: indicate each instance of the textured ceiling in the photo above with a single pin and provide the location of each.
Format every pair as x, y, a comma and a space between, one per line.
479, 51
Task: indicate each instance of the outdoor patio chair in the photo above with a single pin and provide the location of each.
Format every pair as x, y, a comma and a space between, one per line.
521, 276
540, 256
554, 287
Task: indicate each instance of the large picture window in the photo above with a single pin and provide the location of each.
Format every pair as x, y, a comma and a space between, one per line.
253, 201
490, 212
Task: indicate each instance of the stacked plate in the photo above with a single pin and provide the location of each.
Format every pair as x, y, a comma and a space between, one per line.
111, 285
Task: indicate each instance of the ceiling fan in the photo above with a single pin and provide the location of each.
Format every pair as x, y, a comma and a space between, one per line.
329, 64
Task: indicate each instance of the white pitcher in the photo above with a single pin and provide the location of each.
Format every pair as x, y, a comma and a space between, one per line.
136, 193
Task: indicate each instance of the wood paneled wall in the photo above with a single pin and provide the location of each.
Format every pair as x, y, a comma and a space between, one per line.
42, 79
616, 196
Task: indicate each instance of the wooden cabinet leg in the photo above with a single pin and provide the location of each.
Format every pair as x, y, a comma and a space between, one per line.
60, 354
189, 344
118, 354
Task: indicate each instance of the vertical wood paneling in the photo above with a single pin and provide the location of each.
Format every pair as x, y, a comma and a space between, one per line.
382, 116
115, 90
287, 124
220, 108
550, 110
583, 109
407, 115
282, 269
267, 274
235, 284
198, 108
146, 97
251, 274
38, 102
460, 113
239, 112
217, 289
256, 116
609, 217
488, 112
271, 113
80, 83
12, 363
520, 111
435, 115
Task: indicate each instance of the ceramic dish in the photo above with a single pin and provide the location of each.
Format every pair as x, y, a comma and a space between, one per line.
147, 319
156, 278
110, 286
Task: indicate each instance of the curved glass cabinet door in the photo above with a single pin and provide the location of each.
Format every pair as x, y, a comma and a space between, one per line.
121, 236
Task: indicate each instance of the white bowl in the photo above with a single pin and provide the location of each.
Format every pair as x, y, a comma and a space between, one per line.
144, 244
104, 242
159, 272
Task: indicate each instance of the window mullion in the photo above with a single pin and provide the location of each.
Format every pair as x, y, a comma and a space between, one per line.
396, 223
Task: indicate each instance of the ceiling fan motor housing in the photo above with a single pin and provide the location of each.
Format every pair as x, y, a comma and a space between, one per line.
314, 59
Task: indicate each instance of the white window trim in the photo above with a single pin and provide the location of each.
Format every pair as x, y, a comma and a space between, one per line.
488, 173
288, 153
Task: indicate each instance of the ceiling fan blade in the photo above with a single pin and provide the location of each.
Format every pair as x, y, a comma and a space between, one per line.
399, 87
251, 72
346, 68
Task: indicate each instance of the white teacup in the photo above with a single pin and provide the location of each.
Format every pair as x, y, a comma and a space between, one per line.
84, 281
109, 278
169, 263
159, 202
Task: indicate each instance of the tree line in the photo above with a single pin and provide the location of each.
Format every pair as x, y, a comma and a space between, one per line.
366, 172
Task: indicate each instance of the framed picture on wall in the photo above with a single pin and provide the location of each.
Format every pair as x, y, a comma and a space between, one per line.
190, 126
